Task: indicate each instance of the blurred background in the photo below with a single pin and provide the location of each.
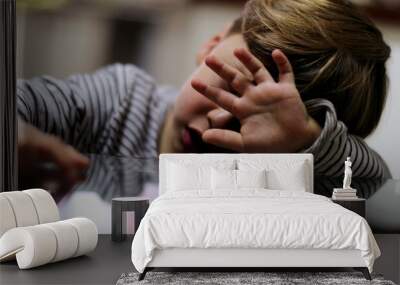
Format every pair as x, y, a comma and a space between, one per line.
62, 37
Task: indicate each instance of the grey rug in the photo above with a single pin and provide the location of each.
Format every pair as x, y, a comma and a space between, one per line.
243, 278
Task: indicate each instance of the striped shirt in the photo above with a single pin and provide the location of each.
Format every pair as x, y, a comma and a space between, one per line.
119, 110
335, 144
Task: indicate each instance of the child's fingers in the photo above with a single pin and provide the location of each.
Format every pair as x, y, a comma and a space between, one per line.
224, 138
64, 156
219, 96
231, 75
219, 118
284, 66
254, 65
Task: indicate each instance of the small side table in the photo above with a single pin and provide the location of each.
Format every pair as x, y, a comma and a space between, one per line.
122, 206
357, 205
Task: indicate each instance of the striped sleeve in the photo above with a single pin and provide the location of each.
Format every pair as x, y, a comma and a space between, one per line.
117, 110
365, 187
335, 144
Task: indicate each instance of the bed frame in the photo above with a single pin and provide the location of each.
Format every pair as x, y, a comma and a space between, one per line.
242, 259
246, 259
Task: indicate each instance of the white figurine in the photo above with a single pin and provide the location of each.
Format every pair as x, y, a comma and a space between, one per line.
345, 193
347, 174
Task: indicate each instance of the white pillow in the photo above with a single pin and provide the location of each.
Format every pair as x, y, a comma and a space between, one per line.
230, 180
223, 179
181, 178
193, 175
251, 178
293, 179
281, 174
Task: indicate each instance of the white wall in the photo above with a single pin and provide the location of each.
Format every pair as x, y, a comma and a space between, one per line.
386, 138
60, 44
171, 51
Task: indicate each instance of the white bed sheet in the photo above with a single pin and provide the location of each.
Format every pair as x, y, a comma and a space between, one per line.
253, 218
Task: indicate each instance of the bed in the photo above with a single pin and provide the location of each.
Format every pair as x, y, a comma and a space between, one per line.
247, 211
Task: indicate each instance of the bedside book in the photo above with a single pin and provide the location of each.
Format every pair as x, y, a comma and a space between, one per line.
341, 190
344, 194
355, 198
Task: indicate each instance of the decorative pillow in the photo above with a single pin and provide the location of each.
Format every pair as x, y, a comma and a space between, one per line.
281, 174
188, 175
230, 180
223, 179
293, 179
181, 178
251, 178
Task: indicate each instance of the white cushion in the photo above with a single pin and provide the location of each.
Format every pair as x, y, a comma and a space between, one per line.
45, 205
251, 178
87, 232
7, 218
255, 161
292, 179
288, 174
32, 246
185, 175
182, 178
26, 208
223, 179
67, 237
23, 208
231, 180
40, 244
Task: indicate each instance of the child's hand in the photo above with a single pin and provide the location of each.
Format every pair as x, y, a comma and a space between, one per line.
272, 115
36, 148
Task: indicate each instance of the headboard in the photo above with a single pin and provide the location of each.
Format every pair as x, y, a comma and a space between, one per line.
210, 157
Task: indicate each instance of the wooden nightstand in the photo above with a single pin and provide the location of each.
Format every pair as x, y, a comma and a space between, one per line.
357, 205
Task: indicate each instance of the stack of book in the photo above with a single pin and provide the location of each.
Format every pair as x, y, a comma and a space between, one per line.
344, 194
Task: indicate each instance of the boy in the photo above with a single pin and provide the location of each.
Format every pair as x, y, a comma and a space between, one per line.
288, 76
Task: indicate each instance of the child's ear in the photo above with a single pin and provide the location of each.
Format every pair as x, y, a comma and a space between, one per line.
207, 48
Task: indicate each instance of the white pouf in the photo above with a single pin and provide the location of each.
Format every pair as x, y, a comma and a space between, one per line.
67, 239
40, 244
87, 232
26, 208
30, 230
22, 207
7, 218
45, 205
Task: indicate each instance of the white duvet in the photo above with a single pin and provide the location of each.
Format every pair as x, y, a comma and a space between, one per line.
250, 219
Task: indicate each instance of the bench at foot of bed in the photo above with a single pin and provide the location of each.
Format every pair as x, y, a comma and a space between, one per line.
364, 271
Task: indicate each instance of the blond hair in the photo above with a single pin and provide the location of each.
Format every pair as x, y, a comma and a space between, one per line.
337, 53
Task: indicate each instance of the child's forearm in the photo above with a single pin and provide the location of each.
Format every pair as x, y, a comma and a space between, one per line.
114, 111
335, 144
53, 106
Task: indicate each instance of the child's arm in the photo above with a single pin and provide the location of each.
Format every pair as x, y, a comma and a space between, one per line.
114, 111
335, 144
273, 118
